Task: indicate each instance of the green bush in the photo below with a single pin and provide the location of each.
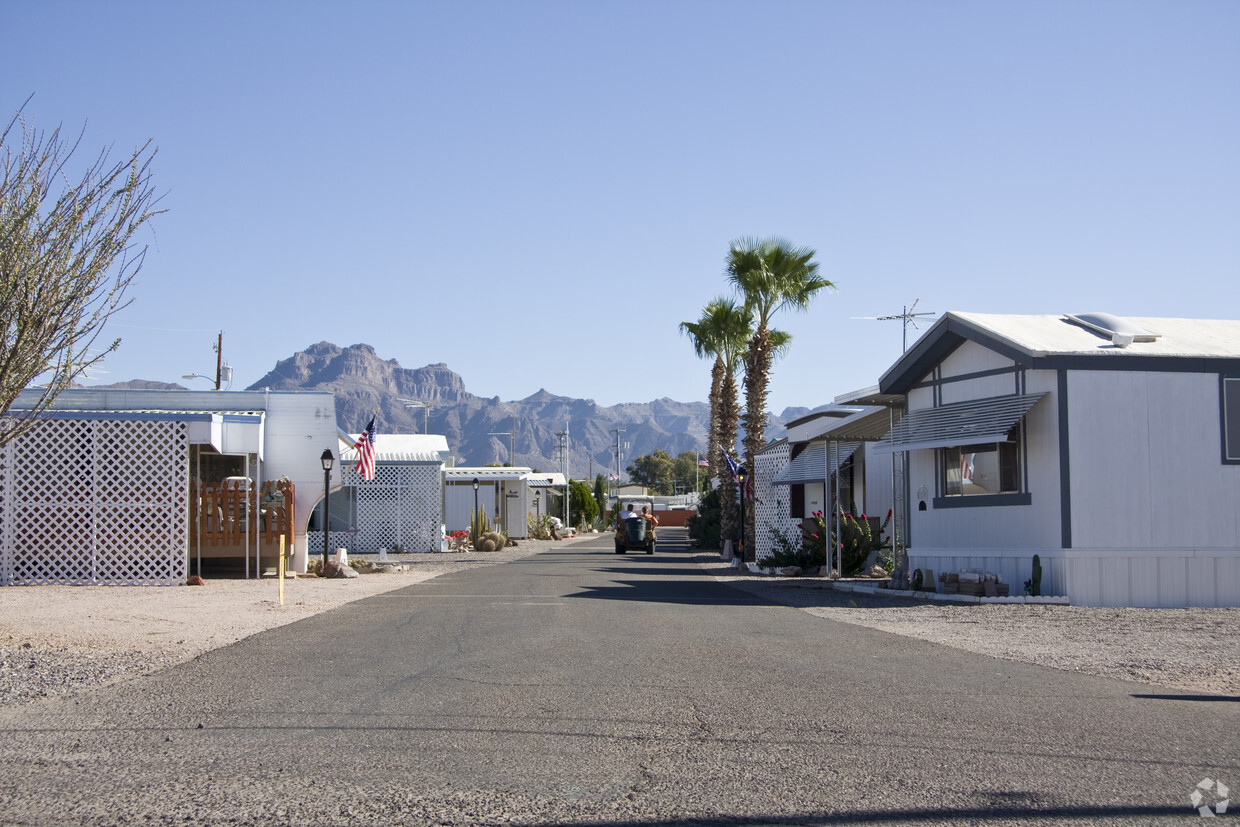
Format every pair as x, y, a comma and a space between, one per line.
705, 527
793, 551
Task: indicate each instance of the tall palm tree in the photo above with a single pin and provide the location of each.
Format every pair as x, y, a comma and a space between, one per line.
723, 332
772, 276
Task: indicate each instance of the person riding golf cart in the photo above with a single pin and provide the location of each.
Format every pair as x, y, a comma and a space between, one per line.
635, 529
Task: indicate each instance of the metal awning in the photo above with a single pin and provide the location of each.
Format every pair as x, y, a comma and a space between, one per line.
816, 462
960, 423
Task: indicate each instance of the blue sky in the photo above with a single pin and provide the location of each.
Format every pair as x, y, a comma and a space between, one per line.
537, 193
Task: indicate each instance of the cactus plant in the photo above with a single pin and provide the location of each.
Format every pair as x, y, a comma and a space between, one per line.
479, 524
1037, 576
491, 541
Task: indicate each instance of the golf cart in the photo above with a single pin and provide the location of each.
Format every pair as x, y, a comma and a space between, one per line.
635, 534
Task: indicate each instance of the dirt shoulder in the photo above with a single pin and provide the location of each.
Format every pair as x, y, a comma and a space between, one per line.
1192, 650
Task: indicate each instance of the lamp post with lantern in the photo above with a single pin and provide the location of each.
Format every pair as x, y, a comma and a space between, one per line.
742, 474
328, 461
475, 521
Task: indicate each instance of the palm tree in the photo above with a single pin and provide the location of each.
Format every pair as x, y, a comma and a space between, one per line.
771, 275
723, 331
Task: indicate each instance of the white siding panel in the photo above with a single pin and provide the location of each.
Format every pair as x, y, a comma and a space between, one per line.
1111, 477
1202, 579
1146, 471
1172, 582
1143, 582
970, 358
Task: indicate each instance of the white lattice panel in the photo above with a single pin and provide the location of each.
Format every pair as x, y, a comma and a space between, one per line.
771, 506
96, 502
400, 507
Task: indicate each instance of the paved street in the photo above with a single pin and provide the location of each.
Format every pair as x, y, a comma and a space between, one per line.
579, 686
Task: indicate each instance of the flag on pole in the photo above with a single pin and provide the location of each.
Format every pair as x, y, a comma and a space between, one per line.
365, 445
702, 462
733, 468
613, 477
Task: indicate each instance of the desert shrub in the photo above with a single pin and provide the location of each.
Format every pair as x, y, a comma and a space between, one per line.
793, 551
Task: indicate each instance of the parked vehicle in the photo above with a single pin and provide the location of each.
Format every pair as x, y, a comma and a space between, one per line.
635, 534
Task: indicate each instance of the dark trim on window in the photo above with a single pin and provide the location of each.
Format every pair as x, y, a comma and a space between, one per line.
1229, 452
983, 500
1065, 462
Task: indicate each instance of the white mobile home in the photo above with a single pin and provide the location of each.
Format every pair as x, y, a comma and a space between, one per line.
1110, 447
508, 495
400, 508
142, 487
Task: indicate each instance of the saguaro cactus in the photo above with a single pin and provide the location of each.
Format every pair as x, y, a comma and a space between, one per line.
1037, 576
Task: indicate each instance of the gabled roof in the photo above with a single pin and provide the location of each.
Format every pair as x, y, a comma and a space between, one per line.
1058, 343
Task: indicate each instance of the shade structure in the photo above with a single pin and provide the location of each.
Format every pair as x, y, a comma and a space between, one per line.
961, 423
816, 462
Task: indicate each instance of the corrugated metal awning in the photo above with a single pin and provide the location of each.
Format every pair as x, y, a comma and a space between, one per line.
961, 423
868, 426
816, 462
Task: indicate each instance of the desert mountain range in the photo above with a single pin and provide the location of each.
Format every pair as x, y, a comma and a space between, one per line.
480, 430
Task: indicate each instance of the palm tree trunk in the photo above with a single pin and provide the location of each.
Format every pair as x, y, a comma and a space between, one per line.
713, 455
757, 377
728, 407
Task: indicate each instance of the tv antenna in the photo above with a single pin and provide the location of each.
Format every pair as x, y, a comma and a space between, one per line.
909, 317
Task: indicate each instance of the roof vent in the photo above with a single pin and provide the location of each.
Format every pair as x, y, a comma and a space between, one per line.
1120, 331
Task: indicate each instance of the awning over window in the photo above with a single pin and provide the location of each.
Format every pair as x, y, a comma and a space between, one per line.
816, 462
961, 423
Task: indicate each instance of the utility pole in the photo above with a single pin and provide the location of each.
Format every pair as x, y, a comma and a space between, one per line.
562, 447
616, 450
219, 359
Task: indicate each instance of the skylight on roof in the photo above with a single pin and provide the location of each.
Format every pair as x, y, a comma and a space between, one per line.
1120, 331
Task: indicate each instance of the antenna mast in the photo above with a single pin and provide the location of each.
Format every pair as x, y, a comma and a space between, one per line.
908, 317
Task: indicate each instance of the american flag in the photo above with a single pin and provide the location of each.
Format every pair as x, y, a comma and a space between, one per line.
365, 446
702, 462
733, 468
613, 477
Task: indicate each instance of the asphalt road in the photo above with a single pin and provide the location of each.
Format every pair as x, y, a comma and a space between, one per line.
580, 686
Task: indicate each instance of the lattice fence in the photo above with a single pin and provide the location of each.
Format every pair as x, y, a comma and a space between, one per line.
95, 502
401, 507
771, 507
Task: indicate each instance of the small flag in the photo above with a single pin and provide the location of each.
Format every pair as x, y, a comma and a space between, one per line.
613, 477
702, 462
733, 468
365, 446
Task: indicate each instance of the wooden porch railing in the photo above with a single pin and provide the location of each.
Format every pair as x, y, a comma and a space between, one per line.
218, 512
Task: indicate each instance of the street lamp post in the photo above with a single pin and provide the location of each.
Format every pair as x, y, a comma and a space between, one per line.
537, 505
477, 516
742, 475
328, 461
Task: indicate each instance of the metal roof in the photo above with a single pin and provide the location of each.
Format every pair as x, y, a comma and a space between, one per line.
1058, 343
961, 423
492, 473
816, 462
403, 448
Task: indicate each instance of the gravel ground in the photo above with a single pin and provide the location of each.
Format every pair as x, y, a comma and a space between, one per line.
57, 640
1192, 650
